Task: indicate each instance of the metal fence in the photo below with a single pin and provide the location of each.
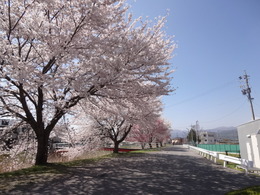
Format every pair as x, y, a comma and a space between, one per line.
221, 147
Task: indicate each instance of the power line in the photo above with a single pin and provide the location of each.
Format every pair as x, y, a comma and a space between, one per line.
203, 93
229, 114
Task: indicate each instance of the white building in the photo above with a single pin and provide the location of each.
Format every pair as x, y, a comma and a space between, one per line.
13, 129
207, 137
249, 142
5, 122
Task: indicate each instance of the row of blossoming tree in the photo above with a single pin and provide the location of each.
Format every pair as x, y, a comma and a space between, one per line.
158, 131
116, 124
62, 58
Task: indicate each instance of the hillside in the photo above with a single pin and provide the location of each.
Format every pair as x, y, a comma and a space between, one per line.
221, 132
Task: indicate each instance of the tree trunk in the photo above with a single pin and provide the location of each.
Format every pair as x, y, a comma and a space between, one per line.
116, 147
150, 144
142, 145
42, 149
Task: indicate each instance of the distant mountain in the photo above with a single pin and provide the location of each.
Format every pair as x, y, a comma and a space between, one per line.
221, 129
221, 133
225, 133
179, 133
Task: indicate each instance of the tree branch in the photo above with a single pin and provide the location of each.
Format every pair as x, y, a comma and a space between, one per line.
49, 65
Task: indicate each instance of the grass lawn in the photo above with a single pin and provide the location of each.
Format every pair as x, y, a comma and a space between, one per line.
55, 168
255, 190
230, 164
60, 167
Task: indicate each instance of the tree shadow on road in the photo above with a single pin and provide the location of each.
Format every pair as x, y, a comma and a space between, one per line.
172, 171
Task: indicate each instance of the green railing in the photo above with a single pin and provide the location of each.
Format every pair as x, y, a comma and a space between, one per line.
221, 147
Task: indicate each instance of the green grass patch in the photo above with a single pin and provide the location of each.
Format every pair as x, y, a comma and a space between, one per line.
255, 190
81, 162
150, 149
230, 165
233, 154
48, 168
146, 150
60, 168
55, 168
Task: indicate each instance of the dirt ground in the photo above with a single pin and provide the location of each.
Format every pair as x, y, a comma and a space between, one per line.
173, 170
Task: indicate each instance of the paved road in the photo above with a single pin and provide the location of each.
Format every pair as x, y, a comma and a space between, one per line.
174, 170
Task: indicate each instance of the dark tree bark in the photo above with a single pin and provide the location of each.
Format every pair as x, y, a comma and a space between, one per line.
114, 136
150, 145
116, 147
161, 144
37, 124
142, 145
42, 149
43, 135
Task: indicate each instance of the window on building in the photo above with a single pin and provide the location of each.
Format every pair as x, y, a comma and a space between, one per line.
5, 122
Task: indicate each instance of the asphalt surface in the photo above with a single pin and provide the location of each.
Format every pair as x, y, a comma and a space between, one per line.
174, 170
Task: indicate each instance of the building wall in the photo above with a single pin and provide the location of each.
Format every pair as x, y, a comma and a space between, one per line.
249, 139
5, 122
207, 137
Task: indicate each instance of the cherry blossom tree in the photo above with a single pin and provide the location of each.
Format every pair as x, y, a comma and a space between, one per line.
55, 54
83, 132
162, 131
154, 130
144, 134
115, 128
138, 134
79, 134
143, 130
17, 145
115, 121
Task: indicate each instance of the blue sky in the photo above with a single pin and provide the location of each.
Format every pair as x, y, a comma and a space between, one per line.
217, 40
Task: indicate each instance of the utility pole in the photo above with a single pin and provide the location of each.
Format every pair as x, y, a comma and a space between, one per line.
246, 90
197, 127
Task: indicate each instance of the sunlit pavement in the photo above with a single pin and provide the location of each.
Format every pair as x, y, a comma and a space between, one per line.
174, 170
